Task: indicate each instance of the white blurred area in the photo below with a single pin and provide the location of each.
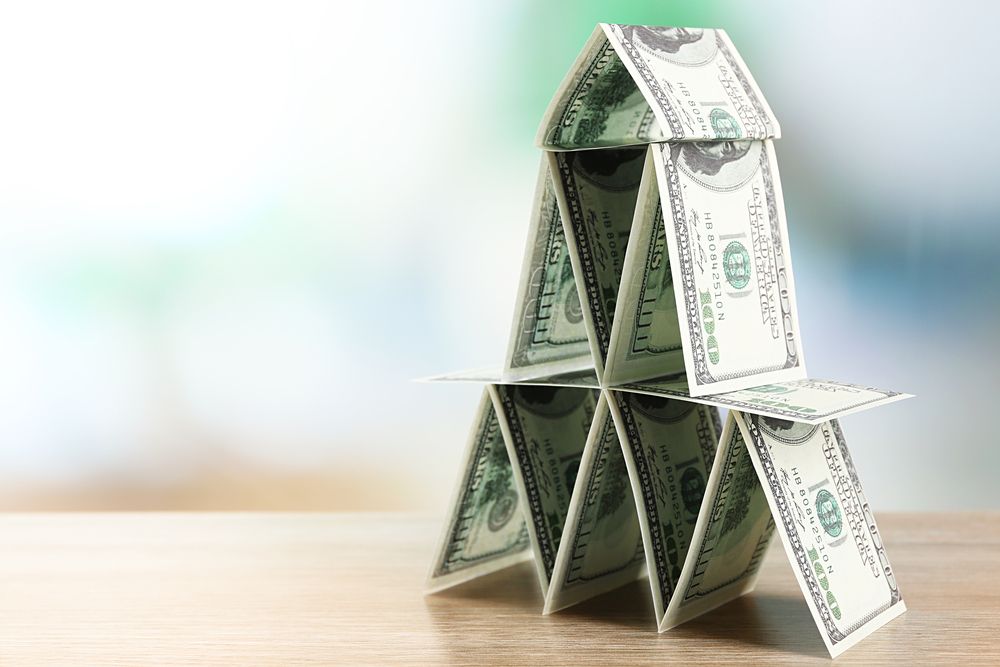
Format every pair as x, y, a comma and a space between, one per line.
230, 234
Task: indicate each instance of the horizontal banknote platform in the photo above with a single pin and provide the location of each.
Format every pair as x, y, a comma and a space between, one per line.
657, 289
807, 401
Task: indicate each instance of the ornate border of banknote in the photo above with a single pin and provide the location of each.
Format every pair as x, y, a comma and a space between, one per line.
657, 289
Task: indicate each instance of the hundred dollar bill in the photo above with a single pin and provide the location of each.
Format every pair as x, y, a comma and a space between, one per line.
669, 447
581, 378
645, 340
810, 401
826, 524
601, 545
597, 192
548, 334
486, 531
728, 245
730, 539
545, 429
636, 84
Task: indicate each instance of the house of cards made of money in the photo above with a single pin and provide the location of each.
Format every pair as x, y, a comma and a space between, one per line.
657, 288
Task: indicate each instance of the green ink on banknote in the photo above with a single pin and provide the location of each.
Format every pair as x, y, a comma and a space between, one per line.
502, 511
770, 389
824, 583
708, 323
828, 513
692, 492
724, 125
736, 264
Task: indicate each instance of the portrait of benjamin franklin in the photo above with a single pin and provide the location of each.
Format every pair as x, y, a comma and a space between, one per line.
708, 157
786, 431
668, 40
661, 409
720, 165
549, 401
687, 46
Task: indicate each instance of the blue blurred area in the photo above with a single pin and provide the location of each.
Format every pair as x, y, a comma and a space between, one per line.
234, 231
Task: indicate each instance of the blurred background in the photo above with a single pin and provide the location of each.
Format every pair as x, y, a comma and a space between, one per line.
231, 233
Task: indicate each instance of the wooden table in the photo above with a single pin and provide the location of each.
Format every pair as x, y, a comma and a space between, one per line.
84, 589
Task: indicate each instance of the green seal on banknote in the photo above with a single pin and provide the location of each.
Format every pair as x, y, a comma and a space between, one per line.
572, 308
502, 511
724, 125
736, 264
828, 513
770, 389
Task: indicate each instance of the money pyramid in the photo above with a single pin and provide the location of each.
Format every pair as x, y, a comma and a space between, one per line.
657, 288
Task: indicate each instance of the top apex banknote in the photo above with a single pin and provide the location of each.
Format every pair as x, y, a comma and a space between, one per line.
636, 84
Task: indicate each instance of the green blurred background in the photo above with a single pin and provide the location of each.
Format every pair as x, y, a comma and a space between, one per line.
232, 232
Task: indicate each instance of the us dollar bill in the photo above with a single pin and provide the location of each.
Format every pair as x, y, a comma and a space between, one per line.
637, 84
645, 336
826, 524
545, 429
669, 447
548, 334
486, 530
812, 401
728, 244
697, 84
598, 104
731, 537
601, 546
597, 192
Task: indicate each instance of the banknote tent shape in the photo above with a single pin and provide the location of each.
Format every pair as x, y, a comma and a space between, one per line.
657, 287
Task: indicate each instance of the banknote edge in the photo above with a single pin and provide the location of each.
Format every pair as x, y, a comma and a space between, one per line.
434, 584
564, 85
701, 528
835, 650
573, 516
717, 401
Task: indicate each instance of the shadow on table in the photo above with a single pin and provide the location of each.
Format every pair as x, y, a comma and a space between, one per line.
515, 587
630, 606
497, 610
776, 622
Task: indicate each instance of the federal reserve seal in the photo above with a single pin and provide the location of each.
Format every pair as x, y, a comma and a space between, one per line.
724, 125
828, 513
736, 264
572, 308
502, 511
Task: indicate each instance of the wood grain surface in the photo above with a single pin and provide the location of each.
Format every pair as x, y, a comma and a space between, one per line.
283, 589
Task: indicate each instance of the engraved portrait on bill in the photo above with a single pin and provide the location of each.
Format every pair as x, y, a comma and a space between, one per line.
826, 524
657, 288
486, 531
694, 81
727, 237
684, 46
704, 159
545, 429
548, 335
